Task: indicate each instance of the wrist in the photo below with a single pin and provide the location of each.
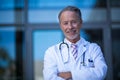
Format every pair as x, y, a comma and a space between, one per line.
70, 78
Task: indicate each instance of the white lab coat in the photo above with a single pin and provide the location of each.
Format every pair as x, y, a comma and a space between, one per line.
54, 62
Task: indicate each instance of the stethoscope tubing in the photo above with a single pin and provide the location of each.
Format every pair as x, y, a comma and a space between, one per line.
63, 43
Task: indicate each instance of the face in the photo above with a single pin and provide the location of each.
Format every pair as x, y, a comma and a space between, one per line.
70, 24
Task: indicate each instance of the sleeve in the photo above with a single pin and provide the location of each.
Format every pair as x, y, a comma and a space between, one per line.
50, 67
98, 72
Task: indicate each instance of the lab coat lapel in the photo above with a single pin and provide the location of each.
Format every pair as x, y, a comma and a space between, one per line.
81, 50
82, 47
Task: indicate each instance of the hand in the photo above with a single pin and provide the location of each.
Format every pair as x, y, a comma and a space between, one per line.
65, 75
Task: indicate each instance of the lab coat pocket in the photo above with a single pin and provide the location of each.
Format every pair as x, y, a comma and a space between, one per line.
90, 63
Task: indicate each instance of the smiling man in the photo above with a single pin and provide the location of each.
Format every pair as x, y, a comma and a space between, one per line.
74, 58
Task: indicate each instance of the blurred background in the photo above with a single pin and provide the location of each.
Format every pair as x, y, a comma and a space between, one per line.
29, 27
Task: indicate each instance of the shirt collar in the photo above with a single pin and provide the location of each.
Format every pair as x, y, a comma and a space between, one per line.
78, 43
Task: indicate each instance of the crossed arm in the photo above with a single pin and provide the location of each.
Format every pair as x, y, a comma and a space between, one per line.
65, 75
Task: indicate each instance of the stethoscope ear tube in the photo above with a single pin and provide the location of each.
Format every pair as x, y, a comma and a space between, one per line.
60, 46
63, 43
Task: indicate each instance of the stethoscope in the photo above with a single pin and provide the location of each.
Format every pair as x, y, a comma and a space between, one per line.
60, 48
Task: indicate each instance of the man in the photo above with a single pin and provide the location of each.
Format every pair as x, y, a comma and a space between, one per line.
74, 58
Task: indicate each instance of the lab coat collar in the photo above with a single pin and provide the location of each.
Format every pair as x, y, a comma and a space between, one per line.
77, 43
82, 46
82, 41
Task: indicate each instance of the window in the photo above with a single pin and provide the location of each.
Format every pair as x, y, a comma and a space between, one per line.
42, 39
7, 53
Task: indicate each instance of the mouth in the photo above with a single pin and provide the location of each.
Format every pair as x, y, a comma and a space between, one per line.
71, 32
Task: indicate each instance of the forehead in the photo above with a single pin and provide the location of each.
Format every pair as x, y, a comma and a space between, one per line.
69, 15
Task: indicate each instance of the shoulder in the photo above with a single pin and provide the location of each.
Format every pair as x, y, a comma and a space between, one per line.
94, 45
50, 52
95, 49
91, 46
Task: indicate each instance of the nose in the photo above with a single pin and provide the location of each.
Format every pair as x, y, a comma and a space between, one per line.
70, 26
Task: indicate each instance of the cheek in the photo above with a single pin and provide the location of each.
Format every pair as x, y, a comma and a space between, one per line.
77, 27
63, 27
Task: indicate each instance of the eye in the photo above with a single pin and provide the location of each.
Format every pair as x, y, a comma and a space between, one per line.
65, 23
74, 22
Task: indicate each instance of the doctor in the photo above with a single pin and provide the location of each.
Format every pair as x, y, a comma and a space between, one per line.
74, 58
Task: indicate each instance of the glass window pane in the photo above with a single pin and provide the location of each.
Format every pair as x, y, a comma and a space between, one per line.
4, 17
39, 9
115, 3
116, 26
16, 17
7, 53
93, 35
94, 15
42, 39
11, 54
88, 15
62, 3
115, 14
11, 11
116, 53
11, 4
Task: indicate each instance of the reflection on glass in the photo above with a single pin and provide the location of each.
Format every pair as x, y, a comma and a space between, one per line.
94, 36
42, 39
62, 3
88, 15
115, 3
11, 4
7, 54
13, 17
115, 14
16, 4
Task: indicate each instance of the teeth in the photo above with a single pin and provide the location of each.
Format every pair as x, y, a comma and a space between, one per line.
71, 31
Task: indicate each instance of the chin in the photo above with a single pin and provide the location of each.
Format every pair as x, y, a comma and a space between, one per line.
72, 37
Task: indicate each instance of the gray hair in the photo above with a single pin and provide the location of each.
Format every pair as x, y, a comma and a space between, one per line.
70, 8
